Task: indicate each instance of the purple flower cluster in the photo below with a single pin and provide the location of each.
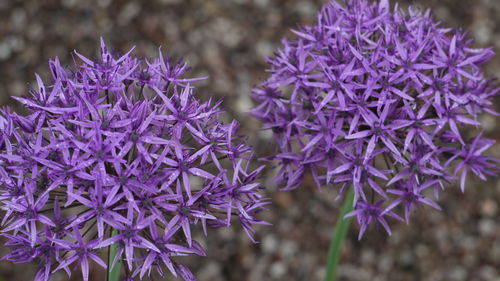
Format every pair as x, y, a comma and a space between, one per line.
119, 151
379, 101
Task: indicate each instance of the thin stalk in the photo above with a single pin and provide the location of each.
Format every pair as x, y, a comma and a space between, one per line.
338, 237
114, 273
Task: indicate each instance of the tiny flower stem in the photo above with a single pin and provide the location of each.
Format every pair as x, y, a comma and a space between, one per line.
115, 272
131, 155
338, 237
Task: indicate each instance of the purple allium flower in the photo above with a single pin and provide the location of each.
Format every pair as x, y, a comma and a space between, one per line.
120, 151
379, 101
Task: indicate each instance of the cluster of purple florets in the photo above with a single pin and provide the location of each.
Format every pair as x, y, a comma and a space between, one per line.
119, 151
381, 102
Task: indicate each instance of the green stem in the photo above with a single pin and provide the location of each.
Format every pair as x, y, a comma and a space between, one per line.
114, 273
338, 237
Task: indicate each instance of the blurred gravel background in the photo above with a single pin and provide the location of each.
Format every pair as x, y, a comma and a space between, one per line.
227, 40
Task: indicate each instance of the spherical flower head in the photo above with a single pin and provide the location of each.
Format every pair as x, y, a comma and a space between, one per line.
119, 151
381, 101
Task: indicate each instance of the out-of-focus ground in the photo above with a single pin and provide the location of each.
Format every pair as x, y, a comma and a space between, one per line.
227, 40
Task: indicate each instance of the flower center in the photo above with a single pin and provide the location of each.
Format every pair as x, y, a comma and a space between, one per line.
184, 211
134, 136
